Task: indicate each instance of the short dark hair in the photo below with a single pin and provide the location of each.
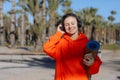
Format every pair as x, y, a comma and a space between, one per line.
73, 15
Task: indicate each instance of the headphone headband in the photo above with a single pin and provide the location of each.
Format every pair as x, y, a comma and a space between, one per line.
79, 23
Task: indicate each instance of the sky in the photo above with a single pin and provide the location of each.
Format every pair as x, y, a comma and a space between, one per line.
104, 7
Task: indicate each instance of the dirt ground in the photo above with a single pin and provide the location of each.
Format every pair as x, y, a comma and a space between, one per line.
41, 67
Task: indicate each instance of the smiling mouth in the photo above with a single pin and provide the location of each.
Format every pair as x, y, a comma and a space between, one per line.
70, 30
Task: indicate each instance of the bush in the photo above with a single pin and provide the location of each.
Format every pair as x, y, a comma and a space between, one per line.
110, 47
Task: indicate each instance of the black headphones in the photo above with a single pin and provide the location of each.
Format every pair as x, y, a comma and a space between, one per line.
79, 23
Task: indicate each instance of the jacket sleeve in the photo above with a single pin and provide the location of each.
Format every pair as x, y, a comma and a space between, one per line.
49, 46
96, 66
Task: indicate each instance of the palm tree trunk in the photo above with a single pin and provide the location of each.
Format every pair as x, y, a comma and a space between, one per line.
41, 38
12, 32
52, 22
44, 21
2, 31
92, 33
23, 29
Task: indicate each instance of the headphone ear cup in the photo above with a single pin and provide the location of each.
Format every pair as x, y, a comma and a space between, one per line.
79, 23
63, 28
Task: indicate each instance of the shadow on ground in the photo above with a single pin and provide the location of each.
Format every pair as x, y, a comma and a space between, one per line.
118, 77
45, 62
113, 64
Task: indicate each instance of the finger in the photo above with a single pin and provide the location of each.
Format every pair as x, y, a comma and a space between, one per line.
88, 62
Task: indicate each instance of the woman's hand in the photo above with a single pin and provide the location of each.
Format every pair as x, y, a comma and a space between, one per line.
60, 29
88, 59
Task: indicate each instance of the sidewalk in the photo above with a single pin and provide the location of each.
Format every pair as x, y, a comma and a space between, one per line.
41, 67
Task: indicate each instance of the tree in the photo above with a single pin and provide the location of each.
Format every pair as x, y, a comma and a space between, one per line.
12, 26
52, 12
88, 16
1, 24
111, 30
22, 3
66, 6
33, 7
2, 27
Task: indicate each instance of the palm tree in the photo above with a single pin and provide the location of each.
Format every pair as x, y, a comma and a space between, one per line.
117, 33
88, 16
98, 28
52, 12
7, 23
13, 25
44, 13
66, 6
2, 27
22, 3
33, 8
1, 24
104, 32
111, 31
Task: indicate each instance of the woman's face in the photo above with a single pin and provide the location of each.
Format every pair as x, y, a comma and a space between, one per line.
70, 24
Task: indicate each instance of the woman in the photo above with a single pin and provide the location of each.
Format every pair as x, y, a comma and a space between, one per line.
68, 47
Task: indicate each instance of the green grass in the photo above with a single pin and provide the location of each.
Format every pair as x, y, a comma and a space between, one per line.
111, 47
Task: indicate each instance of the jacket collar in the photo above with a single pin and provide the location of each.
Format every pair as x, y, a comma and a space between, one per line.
80, 36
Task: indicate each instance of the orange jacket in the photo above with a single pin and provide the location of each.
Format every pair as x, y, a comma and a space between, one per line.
69, 57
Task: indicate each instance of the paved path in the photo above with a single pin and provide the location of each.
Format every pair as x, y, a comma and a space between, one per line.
110, 69
41, 67
26, 67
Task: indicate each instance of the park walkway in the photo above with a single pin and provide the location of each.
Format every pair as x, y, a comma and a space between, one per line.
41, 67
